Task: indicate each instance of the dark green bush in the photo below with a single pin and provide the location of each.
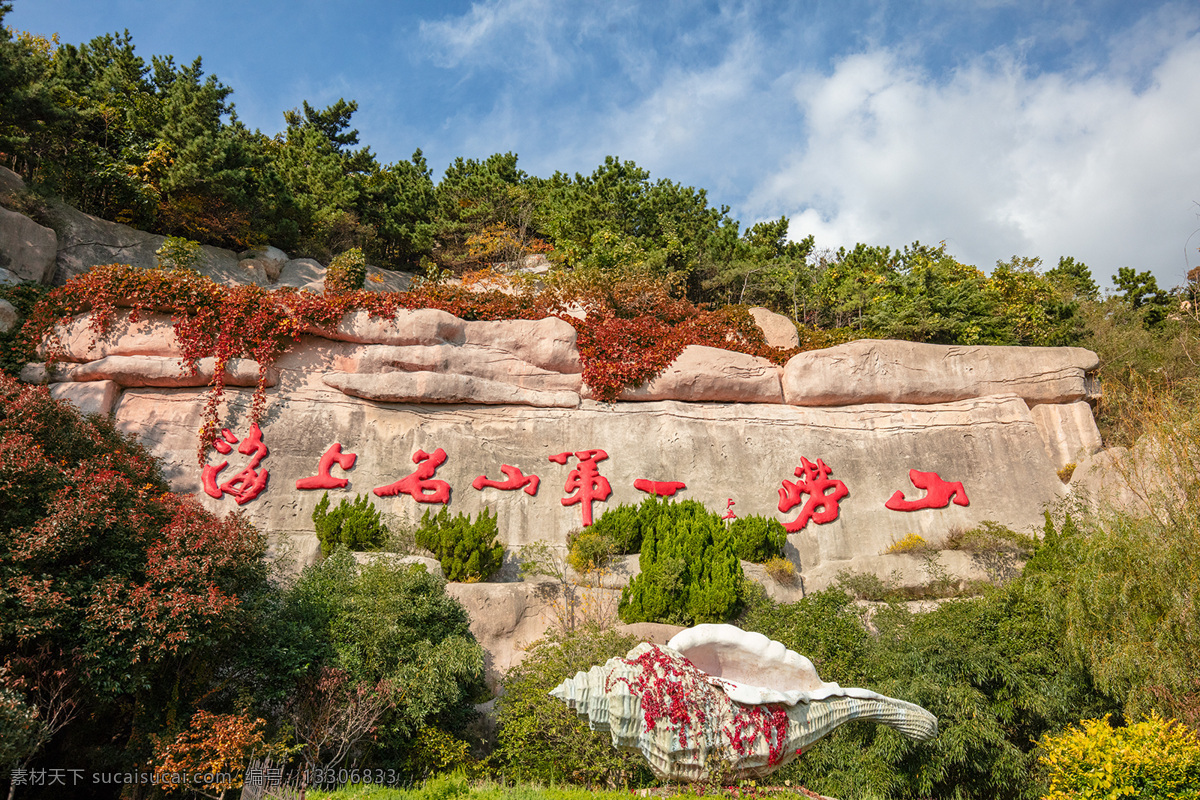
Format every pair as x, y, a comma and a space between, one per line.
690, 573
357, 525
382, 621
757, 539
990, 668
467, 548
540, 739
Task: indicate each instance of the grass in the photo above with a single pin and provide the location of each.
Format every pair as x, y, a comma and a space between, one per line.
458, 787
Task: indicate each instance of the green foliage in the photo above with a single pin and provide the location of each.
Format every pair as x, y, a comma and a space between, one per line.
1120, 584
381, 621
177, 252
1140, 290
824, 626
540, 739
357, 526
467, 548
121, 604
15, 350
347, 272
434, 751
1138, 361
757, 539
689, 571
1152, 760
460, 786
21, 732
991, 671
618, 531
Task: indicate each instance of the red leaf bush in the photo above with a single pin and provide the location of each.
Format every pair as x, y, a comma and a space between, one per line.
633, 329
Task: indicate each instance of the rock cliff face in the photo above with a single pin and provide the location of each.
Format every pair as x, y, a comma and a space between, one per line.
490, 394
852, 447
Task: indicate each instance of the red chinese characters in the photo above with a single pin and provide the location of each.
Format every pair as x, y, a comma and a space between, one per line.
516, 480
585, 481
729, 510
421, 485
660, 488
245, 485
937, 493
323, 480
822, 504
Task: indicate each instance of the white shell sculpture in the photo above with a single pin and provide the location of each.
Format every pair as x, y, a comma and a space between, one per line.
720, 701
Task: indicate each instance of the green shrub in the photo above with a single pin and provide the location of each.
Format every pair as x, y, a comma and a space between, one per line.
690, 573
618, 531
357, 525
467, 548
1150, 760
347, 272
990, 668
391, 622
757, 539
177, 252
824, 626
540, 739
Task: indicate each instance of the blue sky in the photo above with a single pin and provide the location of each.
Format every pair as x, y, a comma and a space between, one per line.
1004, 128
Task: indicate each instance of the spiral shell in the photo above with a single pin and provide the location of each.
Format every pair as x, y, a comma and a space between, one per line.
689, 725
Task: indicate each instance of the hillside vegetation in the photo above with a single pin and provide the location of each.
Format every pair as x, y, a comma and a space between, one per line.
137, 631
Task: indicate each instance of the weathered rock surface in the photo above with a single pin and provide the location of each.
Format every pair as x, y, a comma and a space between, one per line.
302, 273
139, 371
475, 360
151, 335
505, 619
1103, 478
878, 371
10, 182
547, 343
405, 327
437, 387
97, 397
385, 280
1069, 431
85, 241
741, 452
431, 565
270, 259
711, 375
8, 278
656, 632
27, 249
8, 316
778, 330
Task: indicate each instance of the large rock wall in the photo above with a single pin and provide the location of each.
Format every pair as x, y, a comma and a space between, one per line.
509, 394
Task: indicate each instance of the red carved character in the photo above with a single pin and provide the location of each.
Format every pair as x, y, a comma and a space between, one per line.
323, 480
516, 480
660, 488
821, 507
729, 510
585, 481
247, 484
938, 493
420, 485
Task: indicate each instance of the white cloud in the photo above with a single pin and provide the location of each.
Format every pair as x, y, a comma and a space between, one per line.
999, 162
1098, 162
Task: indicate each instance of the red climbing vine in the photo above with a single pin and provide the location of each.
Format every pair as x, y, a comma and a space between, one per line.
633, 328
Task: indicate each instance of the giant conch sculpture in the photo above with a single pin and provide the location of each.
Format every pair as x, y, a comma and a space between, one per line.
718, 701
